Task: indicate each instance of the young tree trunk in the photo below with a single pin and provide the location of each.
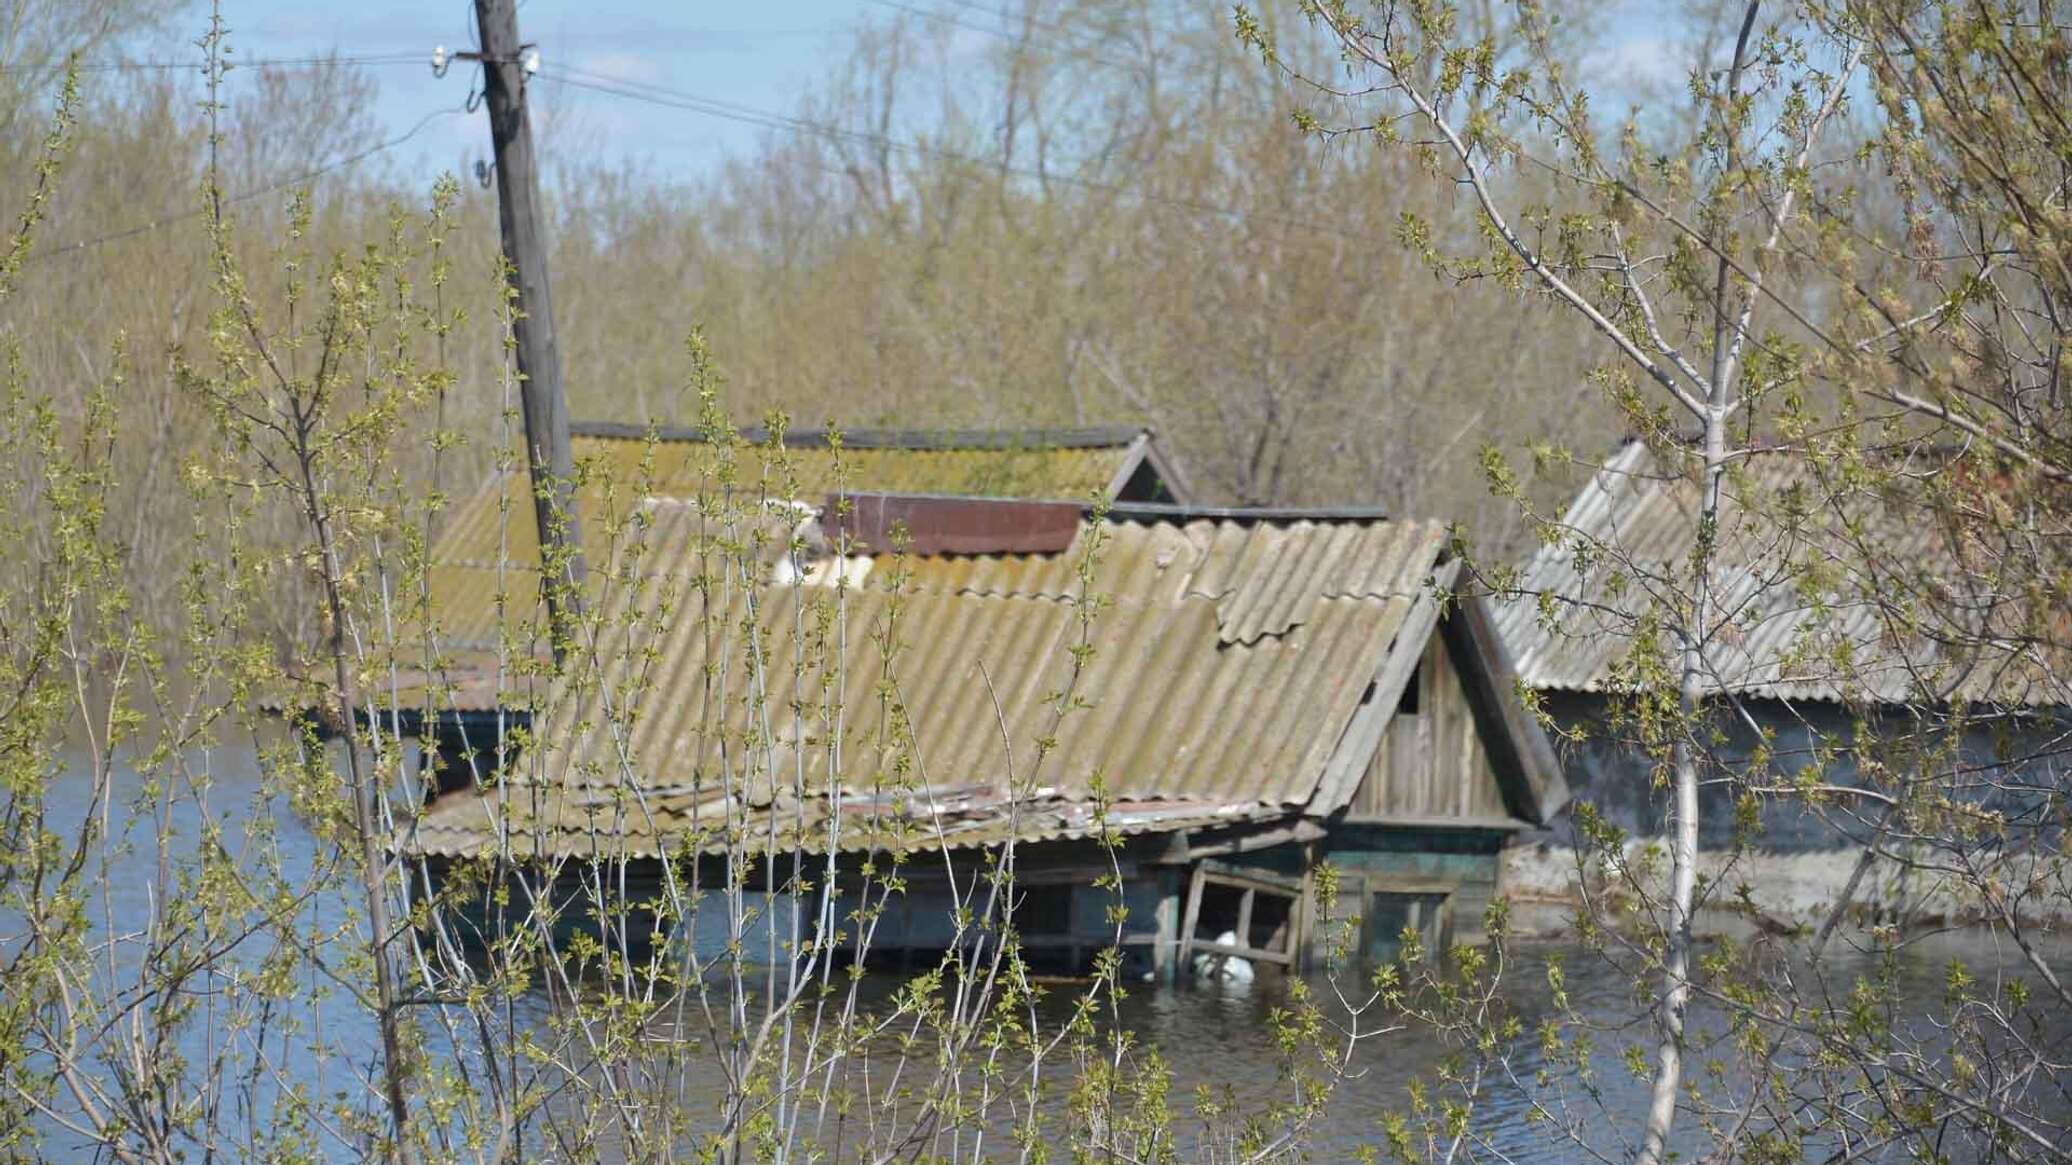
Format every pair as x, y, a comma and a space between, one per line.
1683, 840
366, 817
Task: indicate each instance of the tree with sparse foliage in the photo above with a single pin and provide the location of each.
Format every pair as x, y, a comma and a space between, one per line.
1845, 258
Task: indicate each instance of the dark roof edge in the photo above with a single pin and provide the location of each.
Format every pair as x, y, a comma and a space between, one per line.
1182, 512
1160, 511
1084, 437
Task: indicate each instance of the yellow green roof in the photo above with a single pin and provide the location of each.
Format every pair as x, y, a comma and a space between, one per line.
496, 523
484, 566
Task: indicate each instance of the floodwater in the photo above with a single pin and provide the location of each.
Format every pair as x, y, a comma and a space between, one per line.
1214, 1036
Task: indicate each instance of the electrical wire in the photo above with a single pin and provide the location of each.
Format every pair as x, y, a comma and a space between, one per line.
1006, 18
748, 115
82, 245
950, 18
232, 62
671, 99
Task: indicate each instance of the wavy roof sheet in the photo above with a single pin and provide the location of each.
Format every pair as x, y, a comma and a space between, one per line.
495, 524
484, 577
1209, 685
1798, 573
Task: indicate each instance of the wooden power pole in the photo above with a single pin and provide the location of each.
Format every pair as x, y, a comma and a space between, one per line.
547, 454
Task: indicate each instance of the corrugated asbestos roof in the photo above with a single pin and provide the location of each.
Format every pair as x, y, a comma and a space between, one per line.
1226, 659
484, 566
1802, 625
1262, 579
496, 523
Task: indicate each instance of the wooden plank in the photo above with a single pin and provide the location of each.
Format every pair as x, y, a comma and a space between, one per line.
1244, 915
1425, 821
1356, 747
1191, 916
1525, 759
1298, 942
1473, 758
1381, 882
1368, 795
1277, 958
1131, 459
1230, 875
1406, 767
1245, 839
1435, 791
1162, 954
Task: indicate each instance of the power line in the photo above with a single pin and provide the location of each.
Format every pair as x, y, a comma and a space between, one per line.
233, 63
243, 196
657, 95
713, 107
694, 103
1006, 17
951, 18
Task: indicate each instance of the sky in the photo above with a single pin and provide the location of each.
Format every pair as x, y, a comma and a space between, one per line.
760, 56
757, 58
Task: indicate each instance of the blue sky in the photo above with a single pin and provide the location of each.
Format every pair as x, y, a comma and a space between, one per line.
762, 56
758, 56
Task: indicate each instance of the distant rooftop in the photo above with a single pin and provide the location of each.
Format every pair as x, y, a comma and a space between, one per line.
1800, 580
488, 545
1118, 437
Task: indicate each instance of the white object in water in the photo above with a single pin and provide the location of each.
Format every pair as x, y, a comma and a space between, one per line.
1229, 968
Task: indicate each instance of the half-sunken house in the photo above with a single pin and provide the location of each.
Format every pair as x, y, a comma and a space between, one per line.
1819, 669
1208, 703
475, 669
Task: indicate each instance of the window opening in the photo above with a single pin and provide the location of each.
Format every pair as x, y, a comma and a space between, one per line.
1044, 910
1389, 915
1410, 703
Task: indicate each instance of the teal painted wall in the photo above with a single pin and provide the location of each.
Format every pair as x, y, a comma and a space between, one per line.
1384, 871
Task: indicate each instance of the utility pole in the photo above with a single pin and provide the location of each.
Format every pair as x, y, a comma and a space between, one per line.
547, 455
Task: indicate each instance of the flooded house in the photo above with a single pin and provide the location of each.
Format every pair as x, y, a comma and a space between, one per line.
1180, 711
476, 669
1812, 674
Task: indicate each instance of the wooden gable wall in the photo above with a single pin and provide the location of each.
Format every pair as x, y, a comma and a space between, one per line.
1432, 763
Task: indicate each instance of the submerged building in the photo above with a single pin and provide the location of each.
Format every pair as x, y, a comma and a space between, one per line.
1824, 666
1182, 711
479, 664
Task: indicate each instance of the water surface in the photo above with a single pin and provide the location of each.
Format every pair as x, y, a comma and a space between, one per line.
1214, 1035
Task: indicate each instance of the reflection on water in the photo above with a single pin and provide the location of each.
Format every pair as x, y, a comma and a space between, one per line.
1214, 1035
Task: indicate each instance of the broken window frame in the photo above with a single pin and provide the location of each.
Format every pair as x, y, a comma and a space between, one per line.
1369, 889
1250, 884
